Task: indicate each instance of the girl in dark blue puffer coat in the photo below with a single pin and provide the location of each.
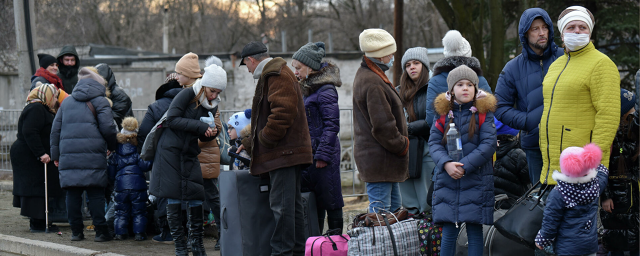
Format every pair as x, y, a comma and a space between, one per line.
463, 190
127, 169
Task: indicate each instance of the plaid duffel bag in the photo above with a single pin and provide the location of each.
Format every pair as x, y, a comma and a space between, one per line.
398, 239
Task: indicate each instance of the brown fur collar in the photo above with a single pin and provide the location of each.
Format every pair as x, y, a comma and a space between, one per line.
131, 138
483, 105
377, 70
329, 74
245, 138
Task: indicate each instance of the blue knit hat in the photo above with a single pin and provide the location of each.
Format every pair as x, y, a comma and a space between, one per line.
627, 101
239, 120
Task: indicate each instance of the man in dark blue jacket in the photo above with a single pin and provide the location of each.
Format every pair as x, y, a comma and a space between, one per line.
519, 88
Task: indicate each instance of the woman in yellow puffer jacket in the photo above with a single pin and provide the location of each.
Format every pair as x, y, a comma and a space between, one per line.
581, 95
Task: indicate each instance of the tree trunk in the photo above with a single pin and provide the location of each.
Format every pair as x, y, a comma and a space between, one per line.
497, 43
397, 34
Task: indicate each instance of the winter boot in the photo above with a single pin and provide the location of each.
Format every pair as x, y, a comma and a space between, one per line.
335, 223
102, 234
122, 237
174, 216
141, 236
165, 234
196, 231
77, 233
37, 225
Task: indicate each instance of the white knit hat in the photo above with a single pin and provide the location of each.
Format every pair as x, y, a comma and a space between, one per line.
377, 43
214, 77
576, 13
455, 45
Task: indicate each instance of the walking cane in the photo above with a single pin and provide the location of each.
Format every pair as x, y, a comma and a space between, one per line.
46, 200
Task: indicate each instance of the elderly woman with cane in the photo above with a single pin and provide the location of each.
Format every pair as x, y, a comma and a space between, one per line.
35, 178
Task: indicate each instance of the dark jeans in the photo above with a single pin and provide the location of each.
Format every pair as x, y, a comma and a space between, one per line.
212, 199
450, 235
285, 201
534, 160
96, 206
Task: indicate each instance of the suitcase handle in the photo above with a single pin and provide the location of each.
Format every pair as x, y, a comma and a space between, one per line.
224, 218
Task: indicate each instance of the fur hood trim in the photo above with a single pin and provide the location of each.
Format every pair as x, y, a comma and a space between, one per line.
483, 105
449, 63
130, 138
245, 132
585, 179
329, 74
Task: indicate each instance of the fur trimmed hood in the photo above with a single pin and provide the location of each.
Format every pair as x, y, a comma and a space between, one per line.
449, 63
129, 138
483, 104
328, 74
558, 176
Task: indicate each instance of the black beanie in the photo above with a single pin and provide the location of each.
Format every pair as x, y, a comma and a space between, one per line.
46, 60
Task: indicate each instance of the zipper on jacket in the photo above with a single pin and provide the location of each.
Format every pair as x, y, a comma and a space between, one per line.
549, 113
541, 70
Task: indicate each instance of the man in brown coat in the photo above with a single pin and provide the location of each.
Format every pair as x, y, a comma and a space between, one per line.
381, 142
281, 143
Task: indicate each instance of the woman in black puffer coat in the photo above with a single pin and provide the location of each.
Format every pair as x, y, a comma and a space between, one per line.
176, 172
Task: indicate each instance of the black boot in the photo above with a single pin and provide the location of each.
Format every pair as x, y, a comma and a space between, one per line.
196, 230
174, 217
335, 223
102, 234
77, 233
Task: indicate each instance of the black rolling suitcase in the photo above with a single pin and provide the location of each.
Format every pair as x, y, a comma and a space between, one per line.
246, 219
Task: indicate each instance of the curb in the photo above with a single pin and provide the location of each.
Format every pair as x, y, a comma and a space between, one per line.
25, 246
6, 185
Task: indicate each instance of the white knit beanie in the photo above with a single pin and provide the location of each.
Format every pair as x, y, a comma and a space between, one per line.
214, 77
575, 13
377, 43
455, 45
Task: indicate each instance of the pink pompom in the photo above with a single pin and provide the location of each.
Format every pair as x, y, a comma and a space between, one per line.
591, 156
571, 164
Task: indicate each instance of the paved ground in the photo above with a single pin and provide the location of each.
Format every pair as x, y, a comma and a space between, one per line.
11, 223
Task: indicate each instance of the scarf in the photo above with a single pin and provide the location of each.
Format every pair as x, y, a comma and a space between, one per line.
46, 94
52, 78
197, 86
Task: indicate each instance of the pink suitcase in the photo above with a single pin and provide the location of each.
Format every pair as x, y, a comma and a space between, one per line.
335, 245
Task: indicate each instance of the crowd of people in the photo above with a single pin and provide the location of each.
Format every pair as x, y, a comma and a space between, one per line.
557, 120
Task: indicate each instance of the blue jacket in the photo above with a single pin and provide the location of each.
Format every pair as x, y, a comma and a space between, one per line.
79, 140
519, 88
438, 83
469, 199
575, 229
127, 169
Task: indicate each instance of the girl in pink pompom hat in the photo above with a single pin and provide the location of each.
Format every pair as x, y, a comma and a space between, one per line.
569, 225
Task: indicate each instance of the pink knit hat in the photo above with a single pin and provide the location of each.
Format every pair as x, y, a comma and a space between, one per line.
576, 162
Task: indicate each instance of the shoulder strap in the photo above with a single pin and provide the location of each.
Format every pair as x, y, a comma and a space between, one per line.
481, 118
440, 122
93, 110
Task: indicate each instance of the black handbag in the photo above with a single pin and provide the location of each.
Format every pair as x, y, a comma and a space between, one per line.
416, 150
522, 222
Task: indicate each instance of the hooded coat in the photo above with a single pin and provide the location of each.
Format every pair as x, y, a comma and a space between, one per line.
468, 199
380, 128
438, 82
164, 95
209, 156
519, 88
176, 170
32, 141
125, 166
574, 228
69, 75
80, 140
323, 117
581, 95
121, 102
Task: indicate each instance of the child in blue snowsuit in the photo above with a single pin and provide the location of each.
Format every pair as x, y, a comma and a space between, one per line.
127, 169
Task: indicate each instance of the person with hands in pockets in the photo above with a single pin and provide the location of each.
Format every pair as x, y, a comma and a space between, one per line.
463, 191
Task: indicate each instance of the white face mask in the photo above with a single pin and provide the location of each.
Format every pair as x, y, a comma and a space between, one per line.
575, 41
